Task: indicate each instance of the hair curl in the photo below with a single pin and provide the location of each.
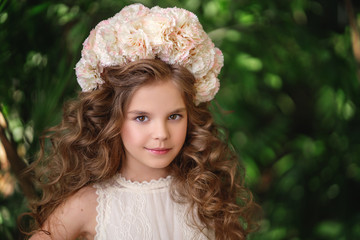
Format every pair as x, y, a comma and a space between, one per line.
86, 148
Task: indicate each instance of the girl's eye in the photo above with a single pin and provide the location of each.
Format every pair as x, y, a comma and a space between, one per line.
141, 118
175, 116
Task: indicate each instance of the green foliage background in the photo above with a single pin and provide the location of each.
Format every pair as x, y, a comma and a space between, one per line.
289, 98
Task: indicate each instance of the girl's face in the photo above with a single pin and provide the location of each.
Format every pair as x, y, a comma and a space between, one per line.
153, 131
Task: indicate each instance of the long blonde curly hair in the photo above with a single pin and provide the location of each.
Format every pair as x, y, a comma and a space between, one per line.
86, 148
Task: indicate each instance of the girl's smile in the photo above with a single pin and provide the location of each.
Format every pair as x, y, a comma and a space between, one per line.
154, 131
159, 151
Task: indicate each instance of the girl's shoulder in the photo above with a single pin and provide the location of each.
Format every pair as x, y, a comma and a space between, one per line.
73, 218
82, 207
83, 202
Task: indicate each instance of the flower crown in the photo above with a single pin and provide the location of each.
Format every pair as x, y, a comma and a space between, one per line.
173, 35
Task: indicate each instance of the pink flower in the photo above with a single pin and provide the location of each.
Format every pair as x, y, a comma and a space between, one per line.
157, 26
206, 88
106, 47
87, 52
134, 43
201, 59
219, 61
88, 77
172, 34
131, 12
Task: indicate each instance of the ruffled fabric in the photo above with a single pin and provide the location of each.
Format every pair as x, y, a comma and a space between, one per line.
145, 185
130, 210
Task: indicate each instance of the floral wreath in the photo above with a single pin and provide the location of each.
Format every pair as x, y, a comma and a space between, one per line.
173, 35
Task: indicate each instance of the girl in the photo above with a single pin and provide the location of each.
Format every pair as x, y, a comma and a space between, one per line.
138, 155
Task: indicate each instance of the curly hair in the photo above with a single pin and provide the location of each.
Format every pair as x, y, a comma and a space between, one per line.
86, 148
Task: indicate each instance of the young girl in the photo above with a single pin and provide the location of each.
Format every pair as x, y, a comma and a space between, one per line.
138, 155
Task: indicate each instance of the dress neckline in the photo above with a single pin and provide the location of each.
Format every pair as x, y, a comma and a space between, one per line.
152, 184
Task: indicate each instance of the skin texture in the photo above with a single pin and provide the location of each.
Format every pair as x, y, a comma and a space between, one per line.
75, 218
153, 133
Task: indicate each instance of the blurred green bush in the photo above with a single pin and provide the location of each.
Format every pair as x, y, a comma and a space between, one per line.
289, 98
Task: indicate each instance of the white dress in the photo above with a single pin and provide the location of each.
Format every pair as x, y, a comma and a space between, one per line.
142, 211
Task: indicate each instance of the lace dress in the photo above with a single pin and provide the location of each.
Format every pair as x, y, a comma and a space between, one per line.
142, 211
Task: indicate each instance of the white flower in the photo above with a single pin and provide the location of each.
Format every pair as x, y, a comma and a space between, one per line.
131, 12
201, 59
182, 37
206, 88
106, 47
219, 61
88, 77
87, 52
172, 34
134, 43
156, 26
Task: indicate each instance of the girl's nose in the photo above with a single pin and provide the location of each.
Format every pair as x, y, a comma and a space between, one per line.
160, 131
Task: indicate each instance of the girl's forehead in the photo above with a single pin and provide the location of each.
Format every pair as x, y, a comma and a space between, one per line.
157, 95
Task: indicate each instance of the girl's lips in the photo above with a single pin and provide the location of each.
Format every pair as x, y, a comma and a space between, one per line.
158, 151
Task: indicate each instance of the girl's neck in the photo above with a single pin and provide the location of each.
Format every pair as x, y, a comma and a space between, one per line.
141, 176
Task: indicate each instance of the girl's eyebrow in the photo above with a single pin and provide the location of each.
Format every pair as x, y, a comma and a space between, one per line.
179, 110
139, 112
